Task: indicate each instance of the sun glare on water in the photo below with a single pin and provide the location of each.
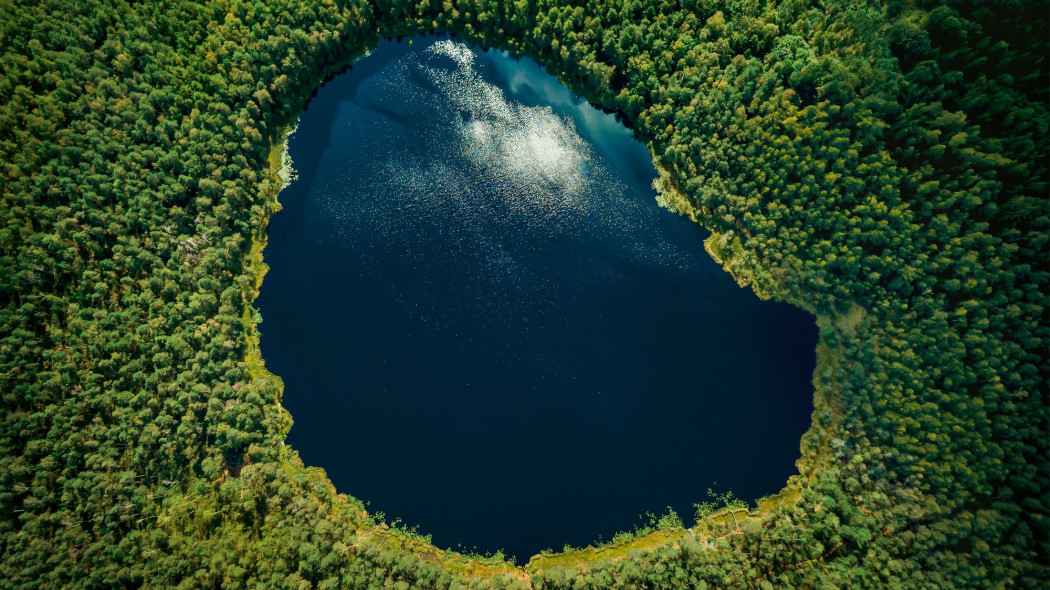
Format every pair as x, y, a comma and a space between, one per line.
455, 163
530, 147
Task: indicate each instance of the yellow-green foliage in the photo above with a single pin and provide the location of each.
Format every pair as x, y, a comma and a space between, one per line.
883, 165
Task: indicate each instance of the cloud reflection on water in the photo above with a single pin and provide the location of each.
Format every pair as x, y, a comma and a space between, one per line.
457, 164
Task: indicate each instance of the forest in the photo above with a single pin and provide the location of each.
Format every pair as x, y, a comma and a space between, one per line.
881, 165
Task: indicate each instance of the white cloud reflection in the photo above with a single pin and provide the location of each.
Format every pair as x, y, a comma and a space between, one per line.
529, 147
437, 159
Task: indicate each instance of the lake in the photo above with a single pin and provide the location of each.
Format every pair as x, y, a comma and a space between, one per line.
488, 328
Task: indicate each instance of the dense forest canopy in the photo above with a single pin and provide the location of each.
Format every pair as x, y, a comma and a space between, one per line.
881, 165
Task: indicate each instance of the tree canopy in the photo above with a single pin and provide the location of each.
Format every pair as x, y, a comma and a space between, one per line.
881, 165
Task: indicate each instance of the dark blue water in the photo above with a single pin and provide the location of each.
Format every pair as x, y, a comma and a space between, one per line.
487, 327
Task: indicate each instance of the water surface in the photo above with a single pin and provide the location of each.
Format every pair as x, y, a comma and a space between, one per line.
487, 327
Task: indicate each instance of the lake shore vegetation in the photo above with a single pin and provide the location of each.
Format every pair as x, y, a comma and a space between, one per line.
882, 165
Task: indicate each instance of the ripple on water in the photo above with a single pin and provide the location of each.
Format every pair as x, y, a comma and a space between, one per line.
504, 169
473, 261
